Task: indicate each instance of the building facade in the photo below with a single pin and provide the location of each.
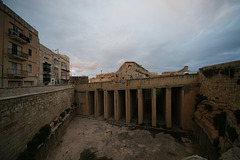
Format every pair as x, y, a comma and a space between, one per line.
129, 70
53, 67
64, 69
18, 50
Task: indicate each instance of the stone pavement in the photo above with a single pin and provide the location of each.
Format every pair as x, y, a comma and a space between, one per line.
119, 142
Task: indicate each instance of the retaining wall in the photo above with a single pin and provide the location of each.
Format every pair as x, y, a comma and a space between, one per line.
22, 116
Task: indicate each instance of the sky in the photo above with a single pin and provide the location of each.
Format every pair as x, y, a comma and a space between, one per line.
160, 35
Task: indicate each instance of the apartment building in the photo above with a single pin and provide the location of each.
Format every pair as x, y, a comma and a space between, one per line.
18, 50
53, 67
64, 69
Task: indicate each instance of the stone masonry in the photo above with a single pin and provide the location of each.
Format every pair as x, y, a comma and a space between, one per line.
22, 116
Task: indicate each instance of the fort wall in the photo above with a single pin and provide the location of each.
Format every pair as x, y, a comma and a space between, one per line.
22, 116
137, 100
218, 85
11, 91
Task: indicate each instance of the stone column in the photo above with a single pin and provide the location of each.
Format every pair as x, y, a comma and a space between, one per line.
154, 110
168, 109
87, 104
182, 116
96, 104
128, 106
140, 106
106, 106
116, 110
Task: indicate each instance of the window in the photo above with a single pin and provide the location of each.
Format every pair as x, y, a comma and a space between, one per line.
29, 52
14, 68
14, 49
30, 37
30, 68
64, 66
15, 29
56, 63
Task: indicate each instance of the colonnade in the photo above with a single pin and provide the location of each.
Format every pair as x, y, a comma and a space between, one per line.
150, 106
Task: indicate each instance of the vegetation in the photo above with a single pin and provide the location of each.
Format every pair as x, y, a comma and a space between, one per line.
62, 115
228, 71
32, 145
238, 81
87, 154
55, 122
232, 134
220, 122
67, 110
216, 143
237, 116
199, 98
209, 107
208, 73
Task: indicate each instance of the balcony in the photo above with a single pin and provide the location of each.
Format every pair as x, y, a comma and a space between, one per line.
64, 67
63, 76
15, 54
46, 78
46, 67
17, 73
56, 64
21, 38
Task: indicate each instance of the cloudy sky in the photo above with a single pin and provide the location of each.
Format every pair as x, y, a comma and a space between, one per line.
161, 35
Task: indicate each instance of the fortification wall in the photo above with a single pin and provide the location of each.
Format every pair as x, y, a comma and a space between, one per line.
220, 86
216, 83
160, 82
22, 116
11, 91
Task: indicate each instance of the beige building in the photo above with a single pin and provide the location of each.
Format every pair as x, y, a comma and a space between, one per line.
132, 70
174, 73
46, 59
18, 50
129, 70
64, 69
107, 77
53, 67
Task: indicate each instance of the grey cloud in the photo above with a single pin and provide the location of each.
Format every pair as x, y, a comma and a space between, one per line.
160, 35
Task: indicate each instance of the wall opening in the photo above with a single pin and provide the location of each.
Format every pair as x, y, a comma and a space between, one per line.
147, 106
122, 105
134, 106
100, 103
176, 106
110, 104
160, 105
91, 103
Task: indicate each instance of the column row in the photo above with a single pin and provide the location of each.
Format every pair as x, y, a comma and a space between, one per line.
155, 106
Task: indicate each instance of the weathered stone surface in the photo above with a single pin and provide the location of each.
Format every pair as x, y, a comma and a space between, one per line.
194, 157
231, 154
23, 116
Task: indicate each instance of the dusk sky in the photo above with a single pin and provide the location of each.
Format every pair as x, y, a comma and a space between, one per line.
161, 35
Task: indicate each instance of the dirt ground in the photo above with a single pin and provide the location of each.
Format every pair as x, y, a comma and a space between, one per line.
120, 142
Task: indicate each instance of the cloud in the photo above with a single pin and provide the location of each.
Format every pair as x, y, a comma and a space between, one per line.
120, 62
161, 35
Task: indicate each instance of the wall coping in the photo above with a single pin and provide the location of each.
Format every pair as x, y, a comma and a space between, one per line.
35, 93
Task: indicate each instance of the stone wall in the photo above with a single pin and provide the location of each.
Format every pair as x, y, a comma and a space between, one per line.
10, 91
220, 84
22, 116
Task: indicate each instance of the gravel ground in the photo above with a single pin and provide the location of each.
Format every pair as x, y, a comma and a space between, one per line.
119, 142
